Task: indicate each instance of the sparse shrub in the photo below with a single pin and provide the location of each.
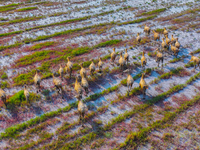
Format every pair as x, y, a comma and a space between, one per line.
5, 84
4, 76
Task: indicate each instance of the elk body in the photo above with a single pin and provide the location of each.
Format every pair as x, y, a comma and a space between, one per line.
138, 39
78, 88
173, 40
143, 85
196, 60
156, 35
126, 56
58, 84
61, 72
92, 67
85, 84
165, 32
167, 40
82, 108
3, 96
175, 50
143, 60
159, 57
82, 71
113, 55
69, 66
26, 94
100, 64
147, 29
129, 80
37, 80
121, 62
164, 45
177, 44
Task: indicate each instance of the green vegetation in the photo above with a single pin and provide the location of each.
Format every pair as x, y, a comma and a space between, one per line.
107, 43
4, 84
159, 30
4, 76
167, 75
196, 51
27, 9
42, 45
35, 57
8, 7
3, 19
157, 11
10, 46
175, 60
18, 21
190, 64
79, 141
138, 20
18, 98
10, 33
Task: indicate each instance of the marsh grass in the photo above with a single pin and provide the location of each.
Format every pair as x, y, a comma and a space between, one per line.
26, 9
157, 11
39, 46
18, 21
18, 98
5, 9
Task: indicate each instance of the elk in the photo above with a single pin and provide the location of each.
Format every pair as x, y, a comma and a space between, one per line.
78, 88
3, 96
61, 71
143, 85
143, 60
82, 71
159, 57
138, 39
165, 32
174, 49
164, 45
26, 94
177, 44
195, 59
69, 66
167, 40
37, 80
82, 108
129, 80
126, 56
156, 35
147, 29
121, 61
100, 64
58, 84
92, 67
173, 40
113, 55
84, 83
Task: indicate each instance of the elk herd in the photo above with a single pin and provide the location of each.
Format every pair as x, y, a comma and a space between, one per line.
81, 82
